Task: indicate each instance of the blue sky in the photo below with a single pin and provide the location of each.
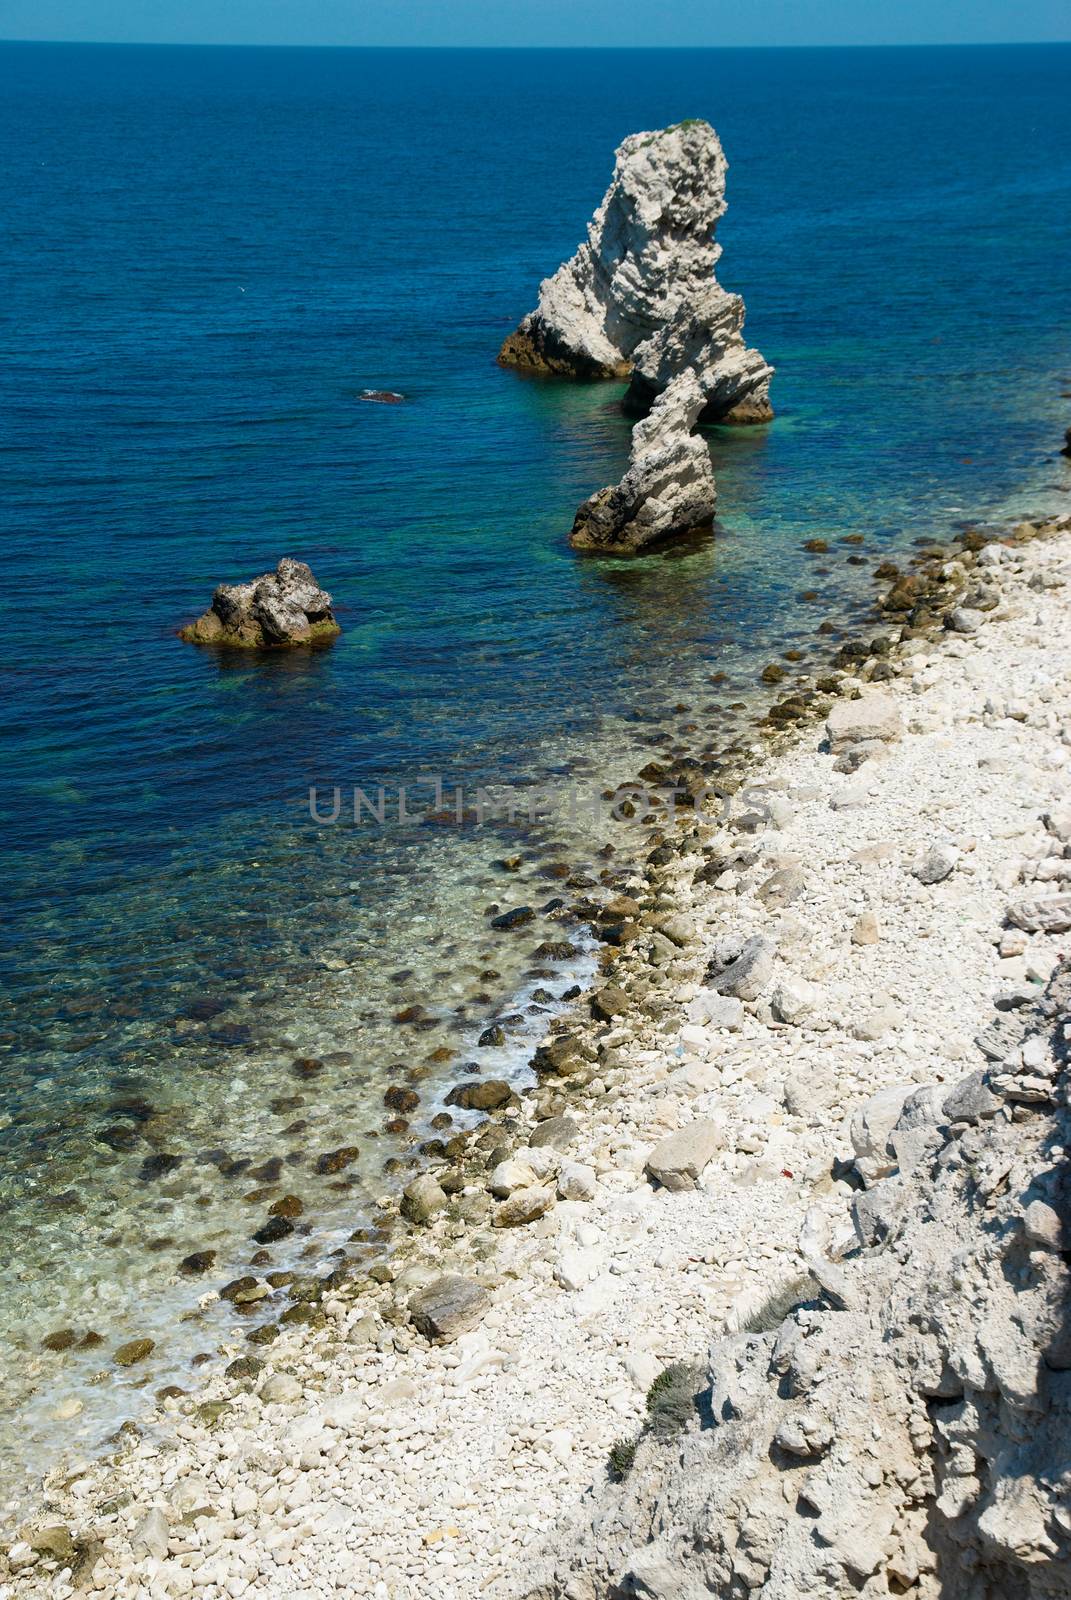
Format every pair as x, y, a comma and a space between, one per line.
538, 22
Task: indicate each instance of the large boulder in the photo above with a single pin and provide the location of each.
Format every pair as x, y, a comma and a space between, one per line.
640, 296
280, 608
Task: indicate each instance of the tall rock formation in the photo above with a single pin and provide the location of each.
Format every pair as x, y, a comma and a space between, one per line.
639, 296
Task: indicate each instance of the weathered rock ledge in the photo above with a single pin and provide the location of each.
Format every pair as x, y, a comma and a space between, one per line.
902, 1429
278, 609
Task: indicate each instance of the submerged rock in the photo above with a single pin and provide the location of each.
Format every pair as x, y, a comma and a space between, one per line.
136, 1350
639, 296
669, 486
280, 608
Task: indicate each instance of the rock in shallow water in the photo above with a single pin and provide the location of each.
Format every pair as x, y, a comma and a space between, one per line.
136, 1350
280, 608
669, 486
640, 294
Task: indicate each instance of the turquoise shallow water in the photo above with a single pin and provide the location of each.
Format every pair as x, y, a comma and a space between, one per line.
209, 254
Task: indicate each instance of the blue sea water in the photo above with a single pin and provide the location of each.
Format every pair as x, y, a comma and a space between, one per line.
207, 255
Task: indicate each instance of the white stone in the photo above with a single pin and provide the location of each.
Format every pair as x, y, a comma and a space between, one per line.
872, 716
794, 1000
281, 1388
717, 1010
576, 1181
872, 1124
151, 1534
677, 1162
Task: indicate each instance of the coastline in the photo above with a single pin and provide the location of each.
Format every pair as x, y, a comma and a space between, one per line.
380, 1463
69, 1395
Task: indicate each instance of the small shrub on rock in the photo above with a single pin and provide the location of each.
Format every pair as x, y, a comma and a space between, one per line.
671, 1398
768, 1317
622, 1455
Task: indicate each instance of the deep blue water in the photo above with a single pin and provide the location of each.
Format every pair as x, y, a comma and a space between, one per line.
208, 254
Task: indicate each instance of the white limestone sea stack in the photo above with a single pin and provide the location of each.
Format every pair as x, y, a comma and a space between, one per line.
640, 297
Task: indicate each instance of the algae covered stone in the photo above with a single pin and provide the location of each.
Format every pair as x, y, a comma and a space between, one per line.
136, 1350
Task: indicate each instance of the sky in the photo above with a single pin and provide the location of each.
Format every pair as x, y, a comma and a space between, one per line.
538, 22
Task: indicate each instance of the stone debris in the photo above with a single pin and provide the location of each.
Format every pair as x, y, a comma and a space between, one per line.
924, 1387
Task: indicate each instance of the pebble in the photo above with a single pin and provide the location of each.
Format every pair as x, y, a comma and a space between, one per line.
938, 863
280, 1389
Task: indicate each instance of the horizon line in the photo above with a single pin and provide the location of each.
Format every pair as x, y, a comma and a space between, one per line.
233, 44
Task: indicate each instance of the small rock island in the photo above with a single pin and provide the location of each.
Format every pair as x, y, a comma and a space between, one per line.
279, 609
639, 300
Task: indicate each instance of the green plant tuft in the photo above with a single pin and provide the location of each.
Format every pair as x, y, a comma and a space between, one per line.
671, 1398
622, 1455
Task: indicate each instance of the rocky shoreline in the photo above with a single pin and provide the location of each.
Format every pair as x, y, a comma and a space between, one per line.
761, 978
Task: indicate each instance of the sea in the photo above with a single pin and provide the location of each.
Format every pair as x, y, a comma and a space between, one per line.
207, 256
